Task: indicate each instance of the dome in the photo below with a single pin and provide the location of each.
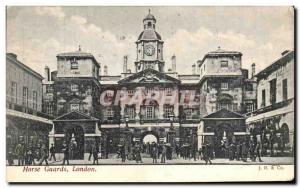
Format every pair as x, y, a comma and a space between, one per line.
149, 17
149, 34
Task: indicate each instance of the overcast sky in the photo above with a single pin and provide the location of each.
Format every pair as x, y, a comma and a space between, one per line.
38, 34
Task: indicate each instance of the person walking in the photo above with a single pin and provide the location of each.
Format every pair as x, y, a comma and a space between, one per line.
90, 150
163, 154
123, 155
20, 152
137, 153
154, 153
10, 156
206, 154
95, 151
52, 153
44, 155
251, 148
244, 152
238, 151
66, 151
257, 151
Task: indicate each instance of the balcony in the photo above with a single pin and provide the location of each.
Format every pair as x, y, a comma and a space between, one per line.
21, 108
270, 107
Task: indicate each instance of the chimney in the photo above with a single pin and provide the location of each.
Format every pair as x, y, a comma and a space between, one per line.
198, 66
105, 70
125, 64
253, 70
194, 69
173, 63
284, 52
13, 55
47, 73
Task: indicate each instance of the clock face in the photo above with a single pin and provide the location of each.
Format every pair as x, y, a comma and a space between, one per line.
149, 50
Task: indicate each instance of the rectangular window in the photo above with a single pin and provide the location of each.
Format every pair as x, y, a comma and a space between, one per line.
224, 63
284, 90
149, 112
109, 113
263, 98
74, 87
34, 100
49, 109
49, 89
25, 97
149, 90
224, 86
13, 92
188, 113
74, 64
273, 91
168, 91
130, 92
74, 107
249, 107
168, 110
130, 112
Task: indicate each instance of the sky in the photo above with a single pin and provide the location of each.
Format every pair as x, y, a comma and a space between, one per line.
38, 34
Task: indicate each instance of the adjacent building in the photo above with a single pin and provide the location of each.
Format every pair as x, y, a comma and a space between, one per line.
274, 117
25, 121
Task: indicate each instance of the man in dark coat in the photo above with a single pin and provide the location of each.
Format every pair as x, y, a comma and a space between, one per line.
20, 152
95, 151
238, 154
252, 145
66, 151
137, 153
123, 155
206, 153
163, 154
52, 152
44, 155
154, 153
244, 152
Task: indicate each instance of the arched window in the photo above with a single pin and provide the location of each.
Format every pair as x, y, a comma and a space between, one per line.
149, 24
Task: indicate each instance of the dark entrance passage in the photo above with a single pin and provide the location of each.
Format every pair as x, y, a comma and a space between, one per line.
75, 139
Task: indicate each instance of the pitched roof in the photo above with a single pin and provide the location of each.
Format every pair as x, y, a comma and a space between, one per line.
149, 76
223, 114
275, 65
75, 116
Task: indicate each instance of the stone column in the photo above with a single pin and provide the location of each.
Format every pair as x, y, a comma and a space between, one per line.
200, 132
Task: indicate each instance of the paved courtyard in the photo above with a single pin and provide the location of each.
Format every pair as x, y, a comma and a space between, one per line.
266, 160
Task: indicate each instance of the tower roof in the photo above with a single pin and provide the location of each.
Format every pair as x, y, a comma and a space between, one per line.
149, 17
149, 34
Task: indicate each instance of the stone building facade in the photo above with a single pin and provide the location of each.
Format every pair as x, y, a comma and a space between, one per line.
25, 123
274, 118
128, 108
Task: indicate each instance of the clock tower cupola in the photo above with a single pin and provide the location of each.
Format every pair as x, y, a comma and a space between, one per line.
149, 47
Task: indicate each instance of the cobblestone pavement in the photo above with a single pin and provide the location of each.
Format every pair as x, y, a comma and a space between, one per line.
266, 160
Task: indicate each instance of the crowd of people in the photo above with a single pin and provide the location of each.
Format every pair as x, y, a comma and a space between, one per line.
250, 149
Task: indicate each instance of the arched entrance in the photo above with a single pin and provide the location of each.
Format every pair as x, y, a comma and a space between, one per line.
75, 139
149, 136
223, 138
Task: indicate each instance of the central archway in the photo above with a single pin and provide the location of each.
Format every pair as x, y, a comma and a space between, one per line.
149, 136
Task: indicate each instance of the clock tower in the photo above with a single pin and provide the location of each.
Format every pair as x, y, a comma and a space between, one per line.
149, 47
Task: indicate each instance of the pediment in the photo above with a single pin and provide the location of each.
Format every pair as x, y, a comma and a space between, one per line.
224, 113
149, 76
75, 115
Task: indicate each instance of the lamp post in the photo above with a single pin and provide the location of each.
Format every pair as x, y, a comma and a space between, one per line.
171, 132
127, 136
